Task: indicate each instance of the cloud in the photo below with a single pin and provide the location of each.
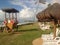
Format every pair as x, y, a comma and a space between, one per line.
24, 3
31, 8
42, 1
18, 2
27, 13
53, 1
33, 4
1, 15
42, 7
57, 1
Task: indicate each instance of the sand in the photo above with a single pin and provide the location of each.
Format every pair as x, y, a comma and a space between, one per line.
37, 41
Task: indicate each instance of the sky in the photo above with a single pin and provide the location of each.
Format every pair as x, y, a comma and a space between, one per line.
27, 8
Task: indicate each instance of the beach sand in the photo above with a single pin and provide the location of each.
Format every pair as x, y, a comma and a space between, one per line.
37, 41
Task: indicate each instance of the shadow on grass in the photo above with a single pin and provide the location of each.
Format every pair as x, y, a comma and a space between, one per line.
27, 30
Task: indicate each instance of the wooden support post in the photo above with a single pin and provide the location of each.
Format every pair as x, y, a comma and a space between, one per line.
12, 16
9, 15
5, 15
16, 22
5, 28
54, 30
58, 21
16, 16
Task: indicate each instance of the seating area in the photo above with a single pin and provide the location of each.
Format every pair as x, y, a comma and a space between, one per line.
44, 26
48, 40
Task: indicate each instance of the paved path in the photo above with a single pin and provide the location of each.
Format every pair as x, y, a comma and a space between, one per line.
37, 41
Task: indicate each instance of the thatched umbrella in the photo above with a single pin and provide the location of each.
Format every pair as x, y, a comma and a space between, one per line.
52, 13
10, 21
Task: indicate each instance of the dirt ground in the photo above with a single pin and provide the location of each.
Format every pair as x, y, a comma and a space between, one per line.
37, 41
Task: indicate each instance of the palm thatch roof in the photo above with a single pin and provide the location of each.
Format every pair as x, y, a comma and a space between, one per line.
50, 13
10, 10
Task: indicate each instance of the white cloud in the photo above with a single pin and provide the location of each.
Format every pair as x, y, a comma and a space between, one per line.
29, 13
1, 15
26, 13
31, 3
43, 6
53, 1
42, 1
18, 2
56, 1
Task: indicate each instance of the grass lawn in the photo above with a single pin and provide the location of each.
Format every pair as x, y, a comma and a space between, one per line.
26, 35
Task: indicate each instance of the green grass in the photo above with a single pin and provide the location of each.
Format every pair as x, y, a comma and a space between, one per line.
26, 35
